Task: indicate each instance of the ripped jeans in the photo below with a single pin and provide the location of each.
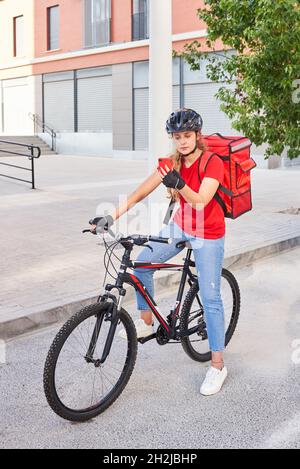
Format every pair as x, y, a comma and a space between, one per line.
209, 256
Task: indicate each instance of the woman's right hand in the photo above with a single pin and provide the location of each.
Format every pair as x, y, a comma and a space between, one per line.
101, 224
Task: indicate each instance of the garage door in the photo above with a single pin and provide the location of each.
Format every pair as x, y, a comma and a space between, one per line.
59, 101
16, 106
141, 119
201, 98
95, 104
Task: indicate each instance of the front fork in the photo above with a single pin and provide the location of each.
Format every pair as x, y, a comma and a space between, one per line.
112, 315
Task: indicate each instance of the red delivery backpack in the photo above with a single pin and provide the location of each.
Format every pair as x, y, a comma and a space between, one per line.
234, 195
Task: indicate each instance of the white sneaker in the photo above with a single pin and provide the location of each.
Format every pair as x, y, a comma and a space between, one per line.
142, 329
214, 381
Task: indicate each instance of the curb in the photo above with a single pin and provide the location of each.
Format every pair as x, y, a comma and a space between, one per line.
163, 281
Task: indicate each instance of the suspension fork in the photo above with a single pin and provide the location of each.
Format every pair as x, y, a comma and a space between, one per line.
116, 307
94, 339
115, 311
112, 313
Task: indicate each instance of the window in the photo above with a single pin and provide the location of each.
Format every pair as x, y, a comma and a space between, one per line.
140, 20
53, 27
19, 36
97, 15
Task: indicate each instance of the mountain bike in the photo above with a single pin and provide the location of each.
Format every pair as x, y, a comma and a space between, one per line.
89, 365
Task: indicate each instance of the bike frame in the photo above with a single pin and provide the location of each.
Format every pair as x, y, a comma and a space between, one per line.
132, 280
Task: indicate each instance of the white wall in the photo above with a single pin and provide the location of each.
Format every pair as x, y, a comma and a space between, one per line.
29, 93
1, 106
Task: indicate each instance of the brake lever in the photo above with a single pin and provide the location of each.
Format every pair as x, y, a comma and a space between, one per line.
150, 247
109, 231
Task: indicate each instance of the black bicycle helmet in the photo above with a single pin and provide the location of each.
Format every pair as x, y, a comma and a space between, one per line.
184, 120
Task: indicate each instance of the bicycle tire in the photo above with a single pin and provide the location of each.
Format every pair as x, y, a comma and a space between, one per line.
50, 365
186, 308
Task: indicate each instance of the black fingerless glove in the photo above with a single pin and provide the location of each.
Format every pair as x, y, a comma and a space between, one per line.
173, 180
103, 224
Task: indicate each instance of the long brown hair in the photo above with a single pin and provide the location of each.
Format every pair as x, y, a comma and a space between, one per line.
177, 158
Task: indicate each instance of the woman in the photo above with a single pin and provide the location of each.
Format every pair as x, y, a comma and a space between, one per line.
200, 220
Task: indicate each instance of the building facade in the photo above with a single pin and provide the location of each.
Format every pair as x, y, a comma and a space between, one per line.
82, 67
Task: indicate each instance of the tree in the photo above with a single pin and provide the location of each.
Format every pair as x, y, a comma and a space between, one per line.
264, 102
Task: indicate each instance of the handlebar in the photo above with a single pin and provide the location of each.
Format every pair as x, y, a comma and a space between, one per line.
136, 239
141, 239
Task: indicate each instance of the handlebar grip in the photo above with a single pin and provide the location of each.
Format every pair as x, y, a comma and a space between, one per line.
157, 239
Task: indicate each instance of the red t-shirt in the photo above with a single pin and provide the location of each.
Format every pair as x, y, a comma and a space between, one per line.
210, 221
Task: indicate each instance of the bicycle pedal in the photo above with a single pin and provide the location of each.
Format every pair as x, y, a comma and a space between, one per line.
143, 340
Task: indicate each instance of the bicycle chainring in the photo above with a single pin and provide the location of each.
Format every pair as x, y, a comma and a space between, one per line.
162, 337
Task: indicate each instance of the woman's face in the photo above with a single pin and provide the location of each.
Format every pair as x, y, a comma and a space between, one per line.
185, 141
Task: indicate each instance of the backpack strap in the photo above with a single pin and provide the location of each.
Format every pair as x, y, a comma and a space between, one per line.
203, 162
169, 211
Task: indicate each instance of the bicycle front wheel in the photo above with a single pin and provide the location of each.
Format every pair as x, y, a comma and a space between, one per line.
78, 387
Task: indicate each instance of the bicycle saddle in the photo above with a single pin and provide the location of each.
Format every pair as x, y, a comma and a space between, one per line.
184, 244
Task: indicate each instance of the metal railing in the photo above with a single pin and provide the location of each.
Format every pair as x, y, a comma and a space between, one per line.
38, 123
31, 157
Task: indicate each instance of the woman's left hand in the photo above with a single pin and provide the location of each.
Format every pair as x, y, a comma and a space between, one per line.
171, 179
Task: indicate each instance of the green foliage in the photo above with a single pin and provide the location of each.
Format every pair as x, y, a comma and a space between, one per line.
264, 103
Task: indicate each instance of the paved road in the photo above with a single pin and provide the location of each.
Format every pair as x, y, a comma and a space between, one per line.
161, 406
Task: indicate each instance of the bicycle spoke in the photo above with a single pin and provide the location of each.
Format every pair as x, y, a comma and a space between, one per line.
79, 343
109, 374
85, 344
93, 387
195, 318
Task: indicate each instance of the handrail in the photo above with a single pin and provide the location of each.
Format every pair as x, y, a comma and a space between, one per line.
31, 157
38, 122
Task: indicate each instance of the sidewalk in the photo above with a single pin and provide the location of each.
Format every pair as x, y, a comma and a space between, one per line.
47, 265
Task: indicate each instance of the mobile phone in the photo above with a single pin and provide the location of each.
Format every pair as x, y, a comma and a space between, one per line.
165, 162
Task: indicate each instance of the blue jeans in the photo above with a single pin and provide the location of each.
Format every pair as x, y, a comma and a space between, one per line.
209, 256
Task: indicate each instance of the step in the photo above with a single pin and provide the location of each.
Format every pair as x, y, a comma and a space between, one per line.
16, 147
45, 151
26, 140
21, 140
9, 155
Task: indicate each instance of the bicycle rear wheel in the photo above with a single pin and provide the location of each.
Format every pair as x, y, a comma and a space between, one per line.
76, 385
192, 317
